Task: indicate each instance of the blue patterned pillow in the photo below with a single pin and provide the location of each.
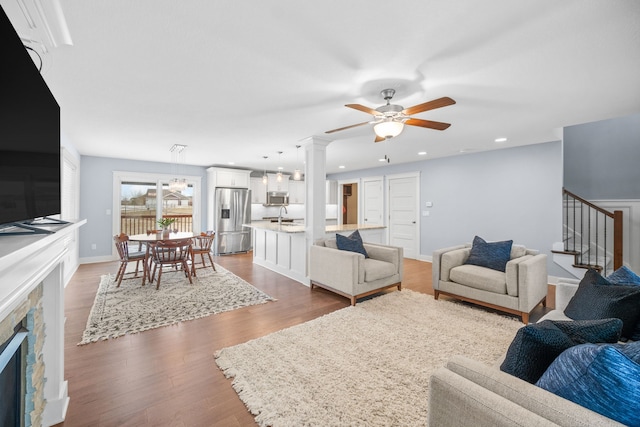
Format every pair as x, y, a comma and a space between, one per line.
623, 276
352, 243
597, 298
494, 255
599, 377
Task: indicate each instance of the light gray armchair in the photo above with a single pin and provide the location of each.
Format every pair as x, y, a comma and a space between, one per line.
518, 290
352, 275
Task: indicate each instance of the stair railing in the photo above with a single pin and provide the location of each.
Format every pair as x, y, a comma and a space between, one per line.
591, 233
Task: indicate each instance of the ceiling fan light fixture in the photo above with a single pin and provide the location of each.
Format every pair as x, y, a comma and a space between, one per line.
388, 128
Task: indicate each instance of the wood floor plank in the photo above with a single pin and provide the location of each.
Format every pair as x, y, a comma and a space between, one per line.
168, 376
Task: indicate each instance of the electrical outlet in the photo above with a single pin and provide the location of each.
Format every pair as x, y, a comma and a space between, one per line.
94, 246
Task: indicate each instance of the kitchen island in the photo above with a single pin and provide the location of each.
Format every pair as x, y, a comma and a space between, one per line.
282, 247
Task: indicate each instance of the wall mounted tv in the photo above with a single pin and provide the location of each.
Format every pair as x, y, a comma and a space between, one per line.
29, 136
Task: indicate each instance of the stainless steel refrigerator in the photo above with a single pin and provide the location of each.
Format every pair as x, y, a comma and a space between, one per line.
232, 208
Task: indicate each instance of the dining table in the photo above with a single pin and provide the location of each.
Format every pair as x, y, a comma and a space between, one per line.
151, 238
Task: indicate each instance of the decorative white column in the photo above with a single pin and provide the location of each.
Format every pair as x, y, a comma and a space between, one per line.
315, 186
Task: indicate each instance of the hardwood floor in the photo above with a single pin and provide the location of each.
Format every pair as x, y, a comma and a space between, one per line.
167, 376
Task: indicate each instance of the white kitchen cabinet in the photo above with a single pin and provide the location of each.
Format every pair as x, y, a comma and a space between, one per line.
296, 192
234, 178
258, 191
332, 192
274, 185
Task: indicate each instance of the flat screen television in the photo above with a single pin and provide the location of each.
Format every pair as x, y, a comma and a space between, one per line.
29, 136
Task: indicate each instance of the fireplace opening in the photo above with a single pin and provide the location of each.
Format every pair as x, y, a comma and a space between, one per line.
13, 377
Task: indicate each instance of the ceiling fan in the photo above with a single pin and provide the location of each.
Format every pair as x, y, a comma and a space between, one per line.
389, 119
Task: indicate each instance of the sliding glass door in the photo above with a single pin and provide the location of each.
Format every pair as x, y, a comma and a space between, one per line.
140, 200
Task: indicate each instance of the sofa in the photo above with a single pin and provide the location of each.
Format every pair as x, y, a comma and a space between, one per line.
351, 274
469, 393
466, 392
517, 290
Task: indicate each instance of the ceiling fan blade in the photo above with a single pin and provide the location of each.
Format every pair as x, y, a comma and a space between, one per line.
364, 109
379, 139
347, 127
431, 105
427, 124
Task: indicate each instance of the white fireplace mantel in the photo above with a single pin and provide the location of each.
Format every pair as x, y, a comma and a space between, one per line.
25, 262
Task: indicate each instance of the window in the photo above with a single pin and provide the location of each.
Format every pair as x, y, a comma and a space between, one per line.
141, 199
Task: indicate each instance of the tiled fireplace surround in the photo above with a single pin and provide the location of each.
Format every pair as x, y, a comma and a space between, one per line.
32, 287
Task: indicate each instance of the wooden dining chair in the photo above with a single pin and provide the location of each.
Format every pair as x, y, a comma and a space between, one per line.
174, 253
127, 255
201, 246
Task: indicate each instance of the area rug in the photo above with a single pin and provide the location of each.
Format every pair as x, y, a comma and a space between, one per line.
133, 308
367, 365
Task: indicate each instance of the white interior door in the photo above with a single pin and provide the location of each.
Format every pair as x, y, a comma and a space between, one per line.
403, 214
372, 201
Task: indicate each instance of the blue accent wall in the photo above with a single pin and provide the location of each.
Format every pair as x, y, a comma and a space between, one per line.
96, 193
513, 193
602, 159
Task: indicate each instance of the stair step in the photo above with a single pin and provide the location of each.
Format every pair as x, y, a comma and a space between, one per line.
598, 268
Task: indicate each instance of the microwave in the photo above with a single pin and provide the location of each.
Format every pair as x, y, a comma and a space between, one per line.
277, 198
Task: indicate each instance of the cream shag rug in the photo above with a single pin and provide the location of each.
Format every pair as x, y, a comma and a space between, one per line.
135, 308
367, 365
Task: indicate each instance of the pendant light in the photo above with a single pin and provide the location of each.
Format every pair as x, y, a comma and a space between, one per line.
177, 184
265, 178
297, 175
279, 174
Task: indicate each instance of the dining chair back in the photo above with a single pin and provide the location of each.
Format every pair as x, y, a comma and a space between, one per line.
173, 253
126, 255
202, 245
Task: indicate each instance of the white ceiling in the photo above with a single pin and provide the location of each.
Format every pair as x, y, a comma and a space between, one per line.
239, 80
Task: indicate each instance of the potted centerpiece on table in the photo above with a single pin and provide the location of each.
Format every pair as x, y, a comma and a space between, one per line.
165, 224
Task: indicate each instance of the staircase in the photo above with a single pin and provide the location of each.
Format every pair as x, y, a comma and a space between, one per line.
592, 237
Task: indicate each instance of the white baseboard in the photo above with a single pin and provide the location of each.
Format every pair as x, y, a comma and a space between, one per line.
92, 260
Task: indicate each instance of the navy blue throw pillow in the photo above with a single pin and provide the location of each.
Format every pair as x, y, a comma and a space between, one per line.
603, 378
536, 346
494, 255
352, 243
597, 298
625, 276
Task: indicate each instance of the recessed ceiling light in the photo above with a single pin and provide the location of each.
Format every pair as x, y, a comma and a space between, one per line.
422, 153
382, 160
341, 167
280, 168
501, 139
231, 163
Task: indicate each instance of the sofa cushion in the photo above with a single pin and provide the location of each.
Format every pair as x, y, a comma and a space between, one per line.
536, 346
375, 269
352, 243
450, 260
482, 278
602, 378
517, 251
331, 243
597, 298
494, 255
